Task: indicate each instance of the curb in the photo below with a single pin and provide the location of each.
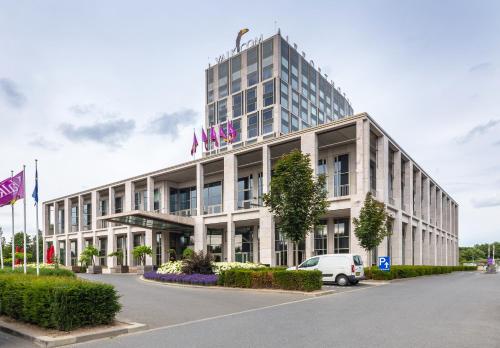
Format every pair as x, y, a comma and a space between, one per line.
271, 291
47, 341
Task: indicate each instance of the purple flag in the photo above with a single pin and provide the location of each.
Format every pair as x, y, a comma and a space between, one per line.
195, 144
204, 138
11, 189
222, 135
213, 136
231, 132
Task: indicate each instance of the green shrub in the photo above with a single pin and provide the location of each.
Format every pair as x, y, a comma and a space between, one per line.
60, 272
406, 271
62, 303
271, 278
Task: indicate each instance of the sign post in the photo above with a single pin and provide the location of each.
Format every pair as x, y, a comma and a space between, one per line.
384, 263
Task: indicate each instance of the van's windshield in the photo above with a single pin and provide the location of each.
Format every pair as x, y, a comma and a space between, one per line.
357, 260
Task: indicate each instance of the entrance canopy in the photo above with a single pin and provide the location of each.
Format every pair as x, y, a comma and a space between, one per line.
152, 220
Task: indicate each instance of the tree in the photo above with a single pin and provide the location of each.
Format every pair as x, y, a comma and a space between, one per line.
295, 197
88, 254
471, 254
141, 251
372, 226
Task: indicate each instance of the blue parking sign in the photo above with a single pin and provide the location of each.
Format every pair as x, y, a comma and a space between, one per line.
384, 263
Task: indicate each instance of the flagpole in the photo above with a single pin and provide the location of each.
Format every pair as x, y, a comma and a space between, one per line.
24, 232
1, 248
13, 233
37, 233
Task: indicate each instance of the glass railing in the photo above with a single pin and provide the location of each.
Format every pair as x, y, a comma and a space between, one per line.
212, 209
341, 190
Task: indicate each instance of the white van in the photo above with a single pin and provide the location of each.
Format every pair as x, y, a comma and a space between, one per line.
343, 269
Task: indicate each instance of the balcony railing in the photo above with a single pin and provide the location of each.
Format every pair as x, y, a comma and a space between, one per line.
341, 190
249, 204
212, 209
185, 212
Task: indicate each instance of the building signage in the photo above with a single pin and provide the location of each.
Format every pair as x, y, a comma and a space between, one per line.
250, 43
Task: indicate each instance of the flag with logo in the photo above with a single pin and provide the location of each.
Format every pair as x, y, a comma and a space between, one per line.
213, 136
195, 144
204, 138
12, 189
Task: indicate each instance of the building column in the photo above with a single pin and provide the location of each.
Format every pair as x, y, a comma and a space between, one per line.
382, 169
150, 188
396, 186
330, 242
309, 145
128, 201
230, 182
130, 247
309, 244
56, 218
199, 192
67, 244
149, 241
362, 158
200, 235
112, 261
56, 248
80, 213
94, 204
266, 238
230, 240
67, 215
266, 168
165, 240
396, 240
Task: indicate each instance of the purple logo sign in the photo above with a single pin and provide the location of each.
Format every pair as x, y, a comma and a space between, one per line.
11, 189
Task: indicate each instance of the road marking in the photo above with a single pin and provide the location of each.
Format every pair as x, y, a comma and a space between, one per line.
196, 321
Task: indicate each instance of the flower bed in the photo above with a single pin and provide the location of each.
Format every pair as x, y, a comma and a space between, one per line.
171, 267
175, 267
194, 279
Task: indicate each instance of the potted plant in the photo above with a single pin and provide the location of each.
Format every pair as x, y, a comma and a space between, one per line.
91, 252
84, 262
140, 252
120, 267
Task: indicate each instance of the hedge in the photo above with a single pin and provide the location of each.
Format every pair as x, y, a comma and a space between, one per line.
61, 272
271, 278
398, 272
62, 303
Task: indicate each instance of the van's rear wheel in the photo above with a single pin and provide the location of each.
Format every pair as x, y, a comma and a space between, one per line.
341, 280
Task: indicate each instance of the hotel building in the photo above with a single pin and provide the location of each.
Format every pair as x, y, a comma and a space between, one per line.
277, 101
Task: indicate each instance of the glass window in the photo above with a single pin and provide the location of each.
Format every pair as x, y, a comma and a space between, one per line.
222, 110
245, 192
103, 207
74, 218
341, 176
235, 74
174, 200
215, 237
251, 100
237, 128
62, 252
284, 60
156, 199
212, 198
223, 79
341, 236
267, 121
61, 221
294, 123
252, 66
310, 263
284, 94
304, 110
320, 238
87, 216
243, 244
268, 94
210, 85
237, 105
314, 115
118, 205
74, 253
253, 125
267, 59
280, 248
285, 123
295, 103
294, 70
211, 115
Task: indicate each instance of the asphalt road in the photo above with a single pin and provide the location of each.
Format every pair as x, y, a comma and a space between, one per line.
456, 310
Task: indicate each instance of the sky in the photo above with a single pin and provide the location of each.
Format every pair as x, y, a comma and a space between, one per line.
99, 91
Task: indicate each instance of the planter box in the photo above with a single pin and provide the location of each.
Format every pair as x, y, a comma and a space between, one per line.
94, 269
119, 269
143, 269
78, 269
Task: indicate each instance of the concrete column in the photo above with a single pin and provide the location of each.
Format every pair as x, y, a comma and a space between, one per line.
418, 244
230, 240
200, 235
149, 240
56, 218
112, 261
67, 215
309, 145
80, 213
165, 240
330, 243
199, 192
56, 248
79, 245
150, 187
382, 169
427, 195
130, 247
230, 182
68, 251
362, 158
255, 242
44, 253
418, 196
266, 168
396, 240
266, 237
290, 253
166, 195
94, 204
309, 244
397, 180
354, 246
128, 201
409, 244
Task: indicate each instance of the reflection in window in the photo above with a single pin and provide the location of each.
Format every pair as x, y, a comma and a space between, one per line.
245, 192
267, 121
267, 59
341, 176
243, 244
235, 74
212, 198
253, 125
237, 105
222, 110
341, 236
252, 66
251, 100
285, 123
223, 79
320, 238
268, 94
215, 237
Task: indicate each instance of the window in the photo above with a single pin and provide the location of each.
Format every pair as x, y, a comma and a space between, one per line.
62, 252
243, 244
237, 105
183, 201
74, 218
320, 238
295, 103
222, 110
267, 121
251, 100
322, 170
210, 85
103, 251
212, 198
245, 192
373, 162
121, 245
211, 115
294, 120
158, 249
118, 205
285, 123
103, 207
341, 236
140, 200
310, 263
304, 111
314, 115
391, 176
87, 216
214, 243
252, 66
305, 81
74, 253
61, 221
321, 117
341, 176
268, 94
294, 70
284, 60
235, 74
174, 200
280, 248
284, 94
156, 199
237, 128
267, 59
253, 125
223, 79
